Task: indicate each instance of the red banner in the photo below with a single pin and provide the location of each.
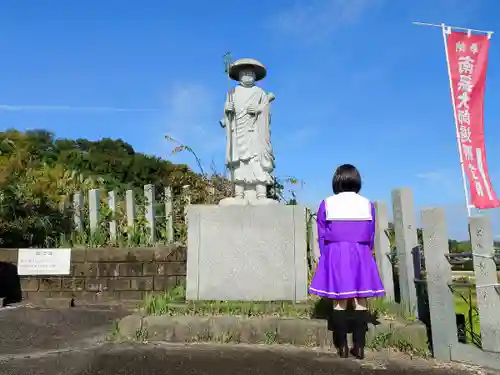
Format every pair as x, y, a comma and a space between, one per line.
468, 62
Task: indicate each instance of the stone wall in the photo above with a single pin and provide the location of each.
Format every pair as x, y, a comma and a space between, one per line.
108, 274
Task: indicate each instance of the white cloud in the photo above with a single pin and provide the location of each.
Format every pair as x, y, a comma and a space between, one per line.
312, 20
445, 182
63, 108
447, 178
433, 176
300, 137
192, 117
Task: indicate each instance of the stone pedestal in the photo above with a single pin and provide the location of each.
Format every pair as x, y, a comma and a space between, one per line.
246, 253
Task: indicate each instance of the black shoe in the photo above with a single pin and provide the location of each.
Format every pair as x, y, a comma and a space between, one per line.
339, 326
359, 333
343, 350
357, 352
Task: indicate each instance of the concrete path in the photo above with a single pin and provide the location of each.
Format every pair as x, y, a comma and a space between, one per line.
73, 342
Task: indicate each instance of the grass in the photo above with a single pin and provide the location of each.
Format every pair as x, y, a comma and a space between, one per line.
396, 341
173, 303
391, 310
462, 306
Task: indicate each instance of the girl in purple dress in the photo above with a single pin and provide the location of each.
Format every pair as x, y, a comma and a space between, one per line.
347, 270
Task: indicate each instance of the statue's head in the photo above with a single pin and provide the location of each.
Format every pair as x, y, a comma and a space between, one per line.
247, 71
247, 77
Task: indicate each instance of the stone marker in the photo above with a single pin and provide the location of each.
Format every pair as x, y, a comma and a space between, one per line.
439, 277
487, 287
405, 233
382, 249
246, 253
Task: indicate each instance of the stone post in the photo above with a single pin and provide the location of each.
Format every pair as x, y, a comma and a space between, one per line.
211, 194
94, 204
112, 222
130, 208
382, 248
186, 199
313, 233
149, 210
169, 215
63, 204
78, 211
487, 288
405, 231
439, 277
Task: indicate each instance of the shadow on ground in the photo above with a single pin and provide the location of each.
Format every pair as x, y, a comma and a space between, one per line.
323, 310
113, 359
29, 329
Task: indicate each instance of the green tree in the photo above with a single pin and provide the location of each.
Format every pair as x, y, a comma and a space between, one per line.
38, 173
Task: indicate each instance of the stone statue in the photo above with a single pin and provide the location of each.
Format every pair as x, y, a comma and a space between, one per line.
247, 120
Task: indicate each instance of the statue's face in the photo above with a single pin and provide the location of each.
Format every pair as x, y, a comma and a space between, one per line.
247, 77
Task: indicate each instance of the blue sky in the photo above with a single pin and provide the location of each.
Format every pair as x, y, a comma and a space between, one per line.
355, 82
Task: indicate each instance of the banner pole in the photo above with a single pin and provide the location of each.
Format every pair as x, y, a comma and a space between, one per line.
489, 33
464, 178
227, 65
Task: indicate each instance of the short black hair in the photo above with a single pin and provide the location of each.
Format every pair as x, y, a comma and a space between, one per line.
346, 179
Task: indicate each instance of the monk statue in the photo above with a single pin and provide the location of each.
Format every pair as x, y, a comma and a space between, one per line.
247, 120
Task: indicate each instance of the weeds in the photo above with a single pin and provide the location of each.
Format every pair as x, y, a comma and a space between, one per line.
385, 340
391, 310
114, 333
136, 235
229, 337
271, 337
161, 304
282, 188
173, 302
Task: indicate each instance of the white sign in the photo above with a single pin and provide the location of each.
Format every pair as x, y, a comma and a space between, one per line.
43, 262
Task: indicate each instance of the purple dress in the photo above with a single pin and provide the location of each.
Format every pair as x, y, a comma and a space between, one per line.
346, 231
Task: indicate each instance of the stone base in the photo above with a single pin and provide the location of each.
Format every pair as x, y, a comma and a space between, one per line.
246, 253
255, 330
243, 201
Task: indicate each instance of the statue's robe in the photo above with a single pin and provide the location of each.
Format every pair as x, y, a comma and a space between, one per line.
249, 152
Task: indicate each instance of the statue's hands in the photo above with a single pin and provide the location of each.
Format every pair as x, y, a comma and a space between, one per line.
252, 110
229, 107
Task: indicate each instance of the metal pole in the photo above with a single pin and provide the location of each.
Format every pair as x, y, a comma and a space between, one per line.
490, 33
227, 57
